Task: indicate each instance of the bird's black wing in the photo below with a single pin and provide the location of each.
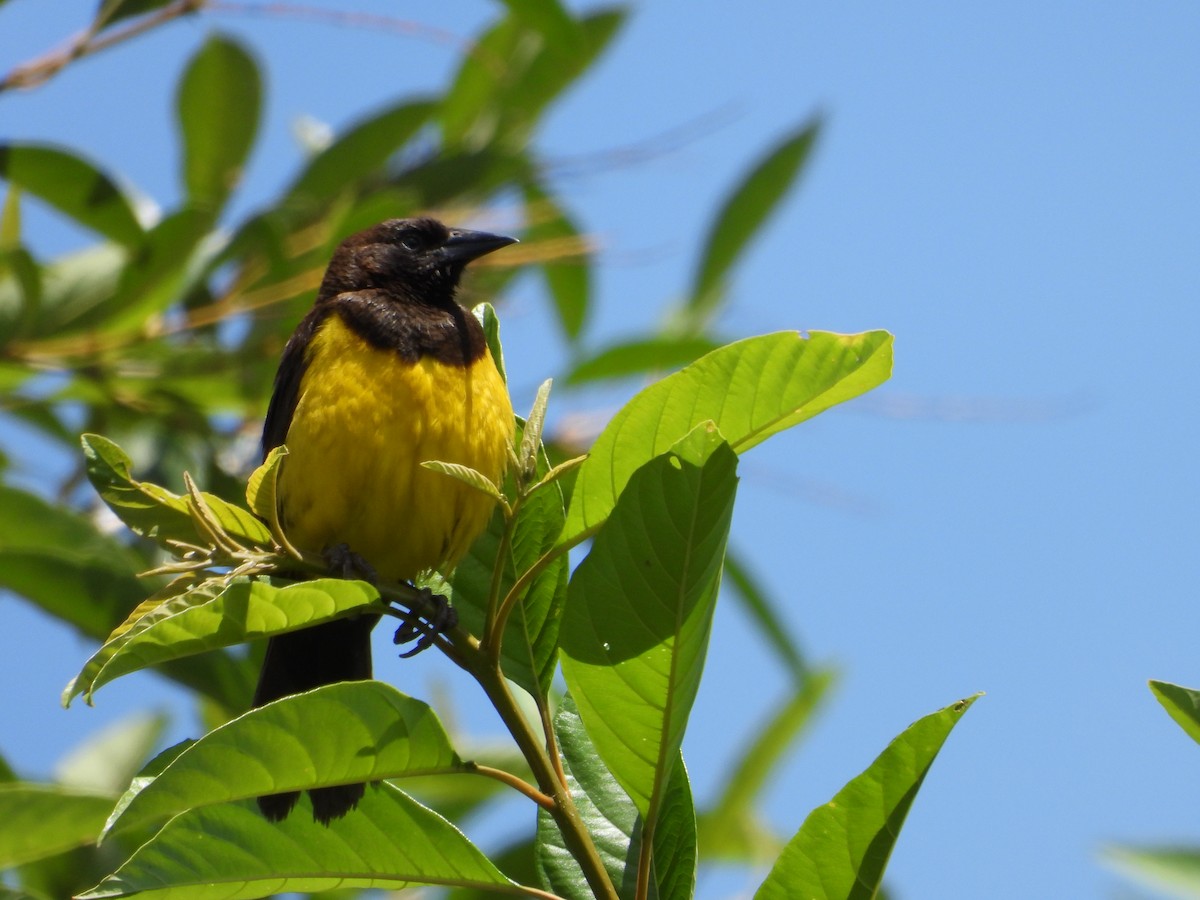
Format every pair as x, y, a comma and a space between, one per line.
287, 380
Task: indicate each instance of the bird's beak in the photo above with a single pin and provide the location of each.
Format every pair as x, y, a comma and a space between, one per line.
464, 246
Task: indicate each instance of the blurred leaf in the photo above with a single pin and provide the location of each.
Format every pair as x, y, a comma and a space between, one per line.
568, 280
66, 292
38, 821
388, 841
74, 187
614, 824
112, 11
338, 734
58, 560
217, 107
843, 847
745, 211
20, 293
107, 761
750, 389
641, 356
360, 151
1182, 704
154, 512
639, 611
745, 587
1174, 870
730, 829
216, 615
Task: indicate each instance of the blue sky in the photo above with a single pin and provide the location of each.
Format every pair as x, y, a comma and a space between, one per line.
1012, 190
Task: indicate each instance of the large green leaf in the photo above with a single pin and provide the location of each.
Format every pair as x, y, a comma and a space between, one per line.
217, 106
74, 186
615, 826
390, 841
842, 849
217, 615
153, 511
1182, 704
639, 611
750, 389
338, 734
37, 820
744, 212
59, 560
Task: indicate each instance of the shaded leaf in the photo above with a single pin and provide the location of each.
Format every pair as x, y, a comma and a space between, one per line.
38, 821
1182, 704
217, 107
338, 734
843, 847
389, 841
217, 615
639, 611
744, 212
750, 389
73, 186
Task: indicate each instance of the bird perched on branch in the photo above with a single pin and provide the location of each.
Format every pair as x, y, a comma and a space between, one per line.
385, 372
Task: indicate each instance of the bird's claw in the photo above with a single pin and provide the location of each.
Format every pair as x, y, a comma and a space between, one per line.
425, 629
345, 563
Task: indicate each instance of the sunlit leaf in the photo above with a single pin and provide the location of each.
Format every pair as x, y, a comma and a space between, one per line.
1182, 704
843, 847
750, 389
73, 186
338, 734
635, 630
389, 841
214, 615
37, 821
1174, 870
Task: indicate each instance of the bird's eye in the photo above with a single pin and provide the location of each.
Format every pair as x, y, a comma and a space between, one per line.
411, 243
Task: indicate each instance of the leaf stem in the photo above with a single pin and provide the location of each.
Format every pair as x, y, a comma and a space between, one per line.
545, 801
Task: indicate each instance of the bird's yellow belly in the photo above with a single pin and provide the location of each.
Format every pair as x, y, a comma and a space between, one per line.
364, 422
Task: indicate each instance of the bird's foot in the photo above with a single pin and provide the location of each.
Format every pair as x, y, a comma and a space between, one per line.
425, 627
345, 563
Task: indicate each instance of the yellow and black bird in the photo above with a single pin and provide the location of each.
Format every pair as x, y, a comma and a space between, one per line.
385, 372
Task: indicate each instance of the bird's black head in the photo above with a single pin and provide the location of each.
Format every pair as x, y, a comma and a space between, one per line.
418, 260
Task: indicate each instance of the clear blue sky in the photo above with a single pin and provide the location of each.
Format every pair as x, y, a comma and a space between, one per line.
1012, 190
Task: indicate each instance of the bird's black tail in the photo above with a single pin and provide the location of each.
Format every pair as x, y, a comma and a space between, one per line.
300, 661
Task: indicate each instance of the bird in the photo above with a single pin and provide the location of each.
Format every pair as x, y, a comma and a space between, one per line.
386, 371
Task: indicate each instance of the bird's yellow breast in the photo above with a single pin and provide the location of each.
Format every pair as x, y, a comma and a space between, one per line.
364, 421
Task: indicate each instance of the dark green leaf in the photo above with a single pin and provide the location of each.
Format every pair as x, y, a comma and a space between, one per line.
337, 734
750, 389
744, 212
112, 11
641, 357
842, 848
74, 186
1182, 704
639, 611
217, 108
38, 821
390, 841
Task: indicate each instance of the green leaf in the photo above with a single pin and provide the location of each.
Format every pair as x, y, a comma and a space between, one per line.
73, 186
390, 841
107, 761
154, 512
338, 734
358, 153
262, 488
750, 389
744, 212
763, 613
214, 615
38, 821
569, 276
642, 356
639, 611
1182, 704
730, 830
1174, 870
59, 560
217, 106
842, 848
615, 825
112, 11
466, 475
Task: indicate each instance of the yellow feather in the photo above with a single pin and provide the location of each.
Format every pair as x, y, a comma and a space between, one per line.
364, 422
